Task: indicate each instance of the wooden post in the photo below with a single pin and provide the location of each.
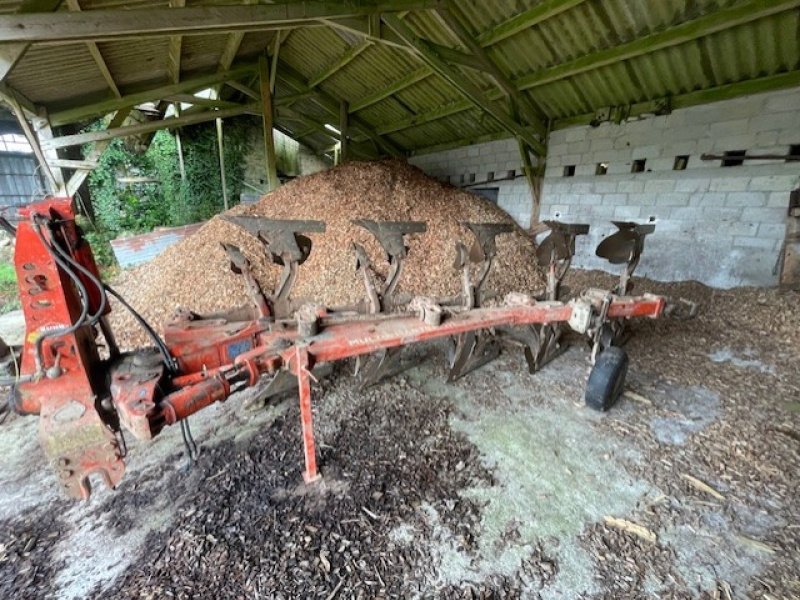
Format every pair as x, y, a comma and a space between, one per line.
222, 164
534, 181
266, 112
344, 155
179, 145
34, 142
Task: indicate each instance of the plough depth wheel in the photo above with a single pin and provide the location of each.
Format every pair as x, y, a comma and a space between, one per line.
607, 378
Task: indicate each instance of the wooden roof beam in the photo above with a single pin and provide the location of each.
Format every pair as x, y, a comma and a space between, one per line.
332, 105
340, 63
719, 20
10, 54
369, 29
391, 89
317, 127
175, 48
244, 89
74, 5
72, 115
148, 127
526, 19
454, 19
469, 90
109, 24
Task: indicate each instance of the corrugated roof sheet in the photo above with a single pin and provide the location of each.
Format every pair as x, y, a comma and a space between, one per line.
67, 75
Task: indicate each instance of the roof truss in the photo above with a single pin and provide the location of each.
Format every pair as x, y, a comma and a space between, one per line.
110, 24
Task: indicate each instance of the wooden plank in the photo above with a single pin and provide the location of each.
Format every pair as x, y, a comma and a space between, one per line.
469, 90
391, 89
526, 19
33, 140
195, 101
75, 165
340, 63
454, 19
246, 90
719, 20
276, 49
109, 24
175, 49
316, 127
426, 117
10, 54
28, 108
267, 112
331, 105
365, 27
456, 57
97, 56
80, 113
149, 127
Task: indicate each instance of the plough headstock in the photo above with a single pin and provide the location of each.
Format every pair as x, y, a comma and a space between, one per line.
84, 401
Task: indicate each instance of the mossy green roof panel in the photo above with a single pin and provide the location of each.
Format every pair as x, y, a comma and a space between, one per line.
471, 70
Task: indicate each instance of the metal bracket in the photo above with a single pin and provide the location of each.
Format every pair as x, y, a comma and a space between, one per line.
285, 246
556, 252
391, 237
483, 251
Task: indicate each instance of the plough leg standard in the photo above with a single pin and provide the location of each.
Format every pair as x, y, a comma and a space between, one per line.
85, 401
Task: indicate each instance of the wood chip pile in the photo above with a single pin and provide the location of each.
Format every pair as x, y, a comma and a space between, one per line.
195, 273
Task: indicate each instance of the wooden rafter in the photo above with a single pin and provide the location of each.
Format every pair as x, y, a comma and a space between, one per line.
519, 22
72, 115
148, 127
276, 50
74, 5
244, 89
175, 49
392, 88
231, 47
338, 64
10, 54
469, 90
719, 20
33, 140
453, 18
109, 24
332, 106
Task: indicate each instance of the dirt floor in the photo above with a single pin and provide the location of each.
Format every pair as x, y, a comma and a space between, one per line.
500, 485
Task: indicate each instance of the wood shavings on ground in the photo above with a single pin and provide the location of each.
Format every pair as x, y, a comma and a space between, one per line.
195, 274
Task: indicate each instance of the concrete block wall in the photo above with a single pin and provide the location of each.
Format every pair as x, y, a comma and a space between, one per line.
723, 226
489, 161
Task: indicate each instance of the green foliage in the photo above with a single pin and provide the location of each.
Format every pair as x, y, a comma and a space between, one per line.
9, 298
134, 191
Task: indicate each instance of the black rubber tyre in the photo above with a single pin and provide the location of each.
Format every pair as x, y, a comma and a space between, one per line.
607, 379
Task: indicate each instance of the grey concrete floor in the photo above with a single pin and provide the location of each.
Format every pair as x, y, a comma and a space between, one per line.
560, 471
